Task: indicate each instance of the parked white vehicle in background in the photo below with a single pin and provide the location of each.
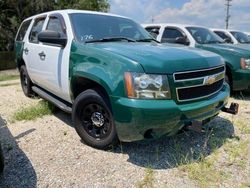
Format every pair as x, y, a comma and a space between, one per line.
232, 36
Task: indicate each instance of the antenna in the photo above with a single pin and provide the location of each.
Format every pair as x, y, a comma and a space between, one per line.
228, 5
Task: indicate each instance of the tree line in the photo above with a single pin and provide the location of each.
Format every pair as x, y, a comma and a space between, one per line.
13, 12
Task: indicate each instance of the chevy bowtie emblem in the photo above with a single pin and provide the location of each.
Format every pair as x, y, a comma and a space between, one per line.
208, 80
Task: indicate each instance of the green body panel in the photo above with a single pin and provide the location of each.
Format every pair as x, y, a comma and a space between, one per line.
105, 64
163, 117
18, 50
232, 55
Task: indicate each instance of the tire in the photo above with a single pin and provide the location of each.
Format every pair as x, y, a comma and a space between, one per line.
26, 83
227, 80
93, 119
1, 160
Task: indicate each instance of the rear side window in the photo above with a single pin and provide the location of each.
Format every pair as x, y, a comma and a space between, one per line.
153, 30
23, 30
170, 35
36, 28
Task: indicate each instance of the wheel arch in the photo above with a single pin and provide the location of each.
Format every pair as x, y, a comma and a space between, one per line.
80, 84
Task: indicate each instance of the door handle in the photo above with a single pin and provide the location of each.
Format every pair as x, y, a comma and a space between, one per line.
42, 55
26, 51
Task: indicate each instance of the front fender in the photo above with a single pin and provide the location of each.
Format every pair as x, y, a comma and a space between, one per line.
100, 66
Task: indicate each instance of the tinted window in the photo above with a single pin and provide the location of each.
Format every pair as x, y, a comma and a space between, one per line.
203, 35
170, 35
89, 27
54, 24
223, 35
22, 30
153, 30
240, 37
36, 28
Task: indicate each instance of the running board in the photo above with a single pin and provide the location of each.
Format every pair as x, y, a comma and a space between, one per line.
45, 95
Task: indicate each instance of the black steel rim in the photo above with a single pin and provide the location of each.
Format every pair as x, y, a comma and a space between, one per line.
96, 121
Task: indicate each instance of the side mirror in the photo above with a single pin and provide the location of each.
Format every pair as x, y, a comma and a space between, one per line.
154, 32
228, 40
52, 37
182, 40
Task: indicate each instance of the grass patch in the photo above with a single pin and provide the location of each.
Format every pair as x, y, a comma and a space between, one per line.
205, 173
33, 112
5, 77
148, 179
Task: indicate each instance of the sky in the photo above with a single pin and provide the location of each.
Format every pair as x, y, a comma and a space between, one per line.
209, 13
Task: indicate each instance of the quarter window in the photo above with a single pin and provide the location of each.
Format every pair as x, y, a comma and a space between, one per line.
170, 35
22, 30
36, 28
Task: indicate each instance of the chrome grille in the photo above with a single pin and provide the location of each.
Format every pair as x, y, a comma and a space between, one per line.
209, 82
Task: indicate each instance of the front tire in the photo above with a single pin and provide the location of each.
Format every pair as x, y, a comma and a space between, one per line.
93, 119
26, 82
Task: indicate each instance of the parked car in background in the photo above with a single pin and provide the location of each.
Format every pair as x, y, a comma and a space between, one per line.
248, 34
1, 159
233, 36
115, 79
237, 58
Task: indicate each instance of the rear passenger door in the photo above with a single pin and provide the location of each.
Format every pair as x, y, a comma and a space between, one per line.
30, 51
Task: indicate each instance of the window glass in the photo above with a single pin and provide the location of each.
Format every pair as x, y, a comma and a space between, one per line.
204, 36
22, 30
36, 28
154, 31
170, 35
240, 37
89, 27
224, 36
54, 24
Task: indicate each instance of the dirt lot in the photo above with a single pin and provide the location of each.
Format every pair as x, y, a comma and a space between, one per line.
47, 152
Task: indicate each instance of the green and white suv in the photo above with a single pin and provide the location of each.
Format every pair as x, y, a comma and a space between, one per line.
115, 79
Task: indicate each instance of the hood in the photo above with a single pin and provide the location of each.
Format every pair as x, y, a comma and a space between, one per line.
242, 50
158, 58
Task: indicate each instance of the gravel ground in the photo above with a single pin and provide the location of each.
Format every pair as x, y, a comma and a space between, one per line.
47, 152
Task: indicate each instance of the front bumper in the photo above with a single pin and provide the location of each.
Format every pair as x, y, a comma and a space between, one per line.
241, 80
134, 118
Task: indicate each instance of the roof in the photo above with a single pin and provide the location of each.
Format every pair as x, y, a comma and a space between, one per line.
171, 24
70, 11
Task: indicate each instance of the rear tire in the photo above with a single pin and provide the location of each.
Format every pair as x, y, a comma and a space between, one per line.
1, 160
26, 82
93, 119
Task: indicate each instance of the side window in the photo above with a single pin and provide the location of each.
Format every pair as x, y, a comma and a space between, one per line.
22, 30
54, 24
221, 34
36, 28
224, 36
154, 31
170, 35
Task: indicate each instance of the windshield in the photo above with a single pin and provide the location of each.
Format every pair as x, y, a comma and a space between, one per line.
240, 37
203, 35
93, 27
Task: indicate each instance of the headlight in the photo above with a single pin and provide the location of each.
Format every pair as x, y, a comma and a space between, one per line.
147, 86
245, 63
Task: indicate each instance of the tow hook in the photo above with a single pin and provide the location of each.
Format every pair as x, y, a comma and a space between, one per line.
195, 126
233, 109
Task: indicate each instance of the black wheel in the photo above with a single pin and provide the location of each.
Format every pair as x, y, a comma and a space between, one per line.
93, 119
1, 160
26, 83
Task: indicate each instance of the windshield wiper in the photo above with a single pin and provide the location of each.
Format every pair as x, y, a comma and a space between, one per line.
147, 40
111, 39
214, 42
